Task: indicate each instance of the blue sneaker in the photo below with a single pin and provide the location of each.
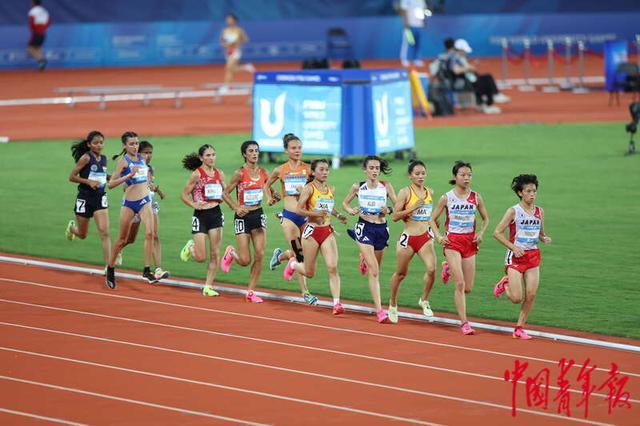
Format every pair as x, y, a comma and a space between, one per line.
275, 259
310, 299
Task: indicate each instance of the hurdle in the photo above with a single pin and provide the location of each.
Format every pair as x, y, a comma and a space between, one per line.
102, 97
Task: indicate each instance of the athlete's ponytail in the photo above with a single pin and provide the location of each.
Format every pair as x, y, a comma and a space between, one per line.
80, 148
194, 160
124, 137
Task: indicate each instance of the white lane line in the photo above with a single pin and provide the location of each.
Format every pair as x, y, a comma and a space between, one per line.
213, 385
117, 398
344, 330
36, 416
274, 367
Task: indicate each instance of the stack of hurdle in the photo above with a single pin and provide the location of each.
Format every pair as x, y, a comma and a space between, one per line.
562, 47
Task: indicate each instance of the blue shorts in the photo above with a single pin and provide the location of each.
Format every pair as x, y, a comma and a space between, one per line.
295, 218
373, 234
136, 205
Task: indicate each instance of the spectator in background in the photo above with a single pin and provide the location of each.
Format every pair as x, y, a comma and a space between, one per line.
232, 39
38, 23
413, 21
484, 85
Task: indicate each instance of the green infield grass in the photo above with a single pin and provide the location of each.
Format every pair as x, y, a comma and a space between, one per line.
588, 189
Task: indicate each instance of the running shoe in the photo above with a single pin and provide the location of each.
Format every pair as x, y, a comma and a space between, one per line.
252, 297
466, 329
338, 309
160, 274
426, 307
519, 333
110, 280
310, 299
500, 287
393, 314
275, 259
185, 253
119, 259
382, 317
67, 232
363, 265
207, 290
445, 274
151, 278
227, 259
288, 270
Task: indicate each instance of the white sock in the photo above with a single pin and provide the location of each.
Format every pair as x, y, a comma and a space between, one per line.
336, 300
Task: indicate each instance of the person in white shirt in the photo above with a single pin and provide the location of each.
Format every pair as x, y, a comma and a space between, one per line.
39, 21
413, 13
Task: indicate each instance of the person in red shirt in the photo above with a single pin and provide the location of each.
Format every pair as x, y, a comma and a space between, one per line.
39, 21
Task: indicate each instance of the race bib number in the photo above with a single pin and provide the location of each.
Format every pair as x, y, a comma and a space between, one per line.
404, 240
372, 204
195, 224
252, 197
293, 184
528, 235
308, 230
263, 221
81, 206
324, 205
239, 226
463, 221
141, 174
104, 202
213, 191
423, 213
100, 177
359, 229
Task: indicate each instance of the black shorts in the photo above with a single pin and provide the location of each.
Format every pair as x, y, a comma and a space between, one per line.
255, 219
88, 203
205, 220
36, 40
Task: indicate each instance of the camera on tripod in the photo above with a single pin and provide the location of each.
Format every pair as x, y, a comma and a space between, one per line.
632, 127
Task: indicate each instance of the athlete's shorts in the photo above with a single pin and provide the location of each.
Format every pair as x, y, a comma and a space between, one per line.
317, 232
233, 53
529, 260
155, 209
36, 40
255, 219
88, 203
136, 205
416, 242
293, 217
463, 244
205, 220
373, 234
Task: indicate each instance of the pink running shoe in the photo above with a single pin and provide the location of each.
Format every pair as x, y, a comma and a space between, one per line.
444, 274
466, 329
288, 270
227, 259
519, 333
500, 287
252, 297
338, 309
363, 265
382, 316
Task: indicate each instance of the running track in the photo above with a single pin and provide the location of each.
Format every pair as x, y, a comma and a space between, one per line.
73, 352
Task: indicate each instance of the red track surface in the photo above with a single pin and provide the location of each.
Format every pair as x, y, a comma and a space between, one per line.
71, 349
201, 116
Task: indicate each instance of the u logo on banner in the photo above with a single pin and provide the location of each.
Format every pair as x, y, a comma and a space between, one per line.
272, 128
382, 115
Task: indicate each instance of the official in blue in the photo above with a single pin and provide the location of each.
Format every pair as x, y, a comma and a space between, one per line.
132, 170
90, 173
371, 231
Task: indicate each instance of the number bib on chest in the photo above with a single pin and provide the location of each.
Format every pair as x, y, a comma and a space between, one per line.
99, 176
141, 174
324, 205
252, 197
212, 191
292, 184
528, 234
423, 213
